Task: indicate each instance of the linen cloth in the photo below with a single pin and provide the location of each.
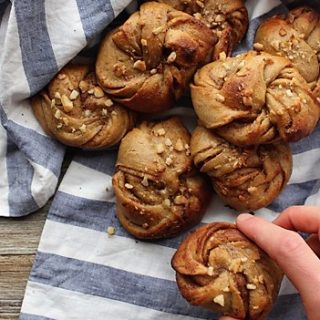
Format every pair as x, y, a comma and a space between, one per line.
80, 272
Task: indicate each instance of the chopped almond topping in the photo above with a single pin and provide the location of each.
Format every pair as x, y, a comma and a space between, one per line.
169, 161
53, 103
145, 182
258, 46
111, 230
104, 112
251, 286
83, 128
260, 278
57, 114
247, 101
172, 57
87, 113
145, 226
84, 86
282, 32
222, 56
90, 91
252, 189
67, 103
241, 65
197, 15
220, 97
65, 121
168, 142
226, 289
144, 42
160, 148
57, 97
140, 65
108, 103
219, 300
59, 125
74, 95
158, 30
200, 4
61, 76
128, 186
166, 203
180, 200
153, 71
244, 259
179, 145
210, 271
289, 93
98, 92
161, 132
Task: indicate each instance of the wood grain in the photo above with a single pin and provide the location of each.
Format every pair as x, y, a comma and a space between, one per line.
19, 238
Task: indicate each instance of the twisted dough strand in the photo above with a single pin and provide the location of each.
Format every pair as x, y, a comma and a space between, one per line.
254, 98
147, 62
245, 178
217, 267
158, 192
76, 111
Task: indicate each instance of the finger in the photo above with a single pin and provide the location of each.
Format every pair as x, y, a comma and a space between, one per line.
300, 218
314, 243
292, 254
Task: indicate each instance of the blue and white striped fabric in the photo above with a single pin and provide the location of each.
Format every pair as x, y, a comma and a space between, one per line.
80, 272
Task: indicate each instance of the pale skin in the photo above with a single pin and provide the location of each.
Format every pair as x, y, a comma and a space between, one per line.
299, 259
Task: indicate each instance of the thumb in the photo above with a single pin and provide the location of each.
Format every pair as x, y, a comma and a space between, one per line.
292, 254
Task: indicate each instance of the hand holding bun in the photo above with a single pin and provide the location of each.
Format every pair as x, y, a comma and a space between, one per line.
228, 20
158, 192
147, 62
76, 111
218, 268
254, 98
245, 178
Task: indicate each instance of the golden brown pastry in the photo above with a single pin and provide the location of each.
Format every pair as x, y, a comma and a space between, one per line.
147, 62
245, 178
218, 268
158, 193
254, 98
76, 111
228, 19
295, 36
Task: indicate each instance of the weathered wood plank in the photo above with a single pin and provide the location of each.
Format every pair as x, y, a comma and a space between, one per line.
21, 235
14, 273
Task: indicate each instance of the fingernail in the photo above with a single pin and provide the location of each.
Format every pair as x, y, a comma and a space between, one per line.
244, 217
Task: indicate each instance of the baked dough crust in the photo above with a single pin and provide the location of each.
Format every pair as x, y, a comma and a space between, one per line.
147, 62
158, 192
218, 268
76, 111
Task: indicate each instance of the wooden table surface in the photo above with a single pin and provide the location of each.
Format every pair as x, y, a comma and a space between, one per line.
19, 238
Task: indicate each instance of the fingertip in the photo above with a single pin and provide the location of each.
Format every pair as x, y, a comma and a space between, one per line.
244, 217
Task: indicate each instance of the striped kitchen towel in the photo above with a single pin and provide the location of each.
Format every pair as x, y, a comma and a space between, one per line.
80, 272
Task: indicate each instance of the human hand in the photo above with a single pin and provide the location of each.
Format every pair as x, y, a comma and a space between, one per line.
297, 258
